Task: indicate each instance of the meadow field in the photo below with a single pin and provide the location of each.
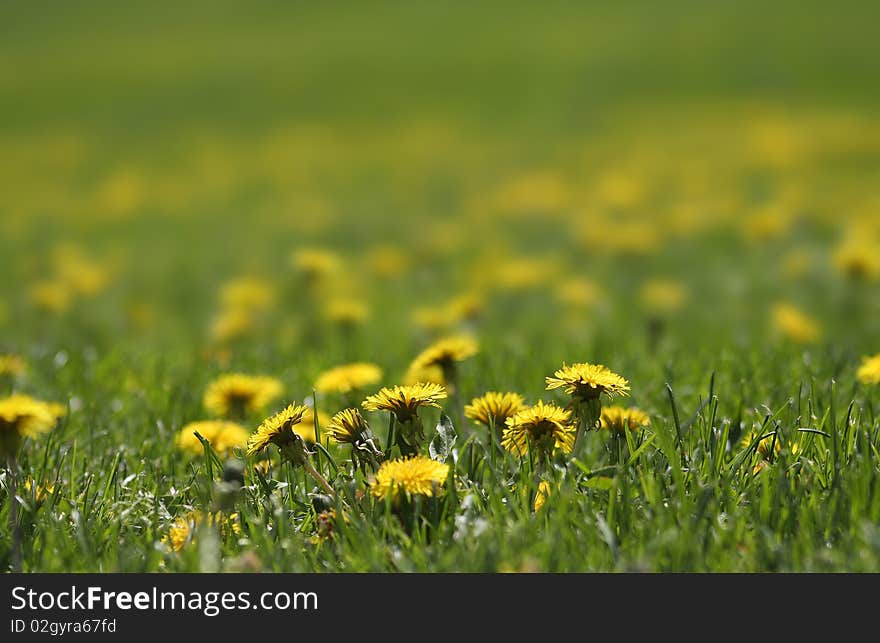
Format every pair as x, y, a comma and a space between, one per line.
409, 286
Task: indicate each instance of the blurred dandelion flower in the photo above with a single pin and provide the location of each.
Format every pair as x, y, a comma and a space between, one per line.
223, 437
577, 293
346, 312
12, 365
869, 371
235, 395
305, 428
348, 377
795, 324
543, 428
620, 419
231, 324
417, 475
183, 530
51, 296
542, 494
23, 416
588, 381
39, 491
445, 352
247, 293
493, 408
858, 259
662, 296
315, 263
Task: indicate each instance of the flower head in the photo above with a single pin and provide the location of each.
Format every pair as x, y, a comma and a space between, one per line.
418, 475
445, 352
588, 381
346, 312
238, 394
620, 419
543, 427
494, 408
348, 377
349, 427
277, 429
661, 296
182, 530
795, 324
542, 494
247, 293
405, 401
869, 371
223, 436
27, 416
12, 365
315, 263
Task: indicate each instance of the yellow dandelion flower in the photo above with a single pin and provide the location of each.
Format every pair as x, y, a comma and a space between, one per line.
305, 428
12, 365
247, 293
315, 263
662, 296
348, 377
223, 437
387, 261
405, 401
542, 427
494, 408
276, 429
764, 446
445, 352
522, 273
417, 475
238, 394
542, 494
869, 371
620, 419
232, 324
182, 531
27, 416
39, 491
858, 258
588, 381
431, 374
349, 427
51, 296
578, 293
794, 324
432, 319
346, 312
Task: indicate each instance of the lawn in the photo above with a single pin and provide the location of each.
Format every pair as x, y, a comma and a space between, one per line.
457, 201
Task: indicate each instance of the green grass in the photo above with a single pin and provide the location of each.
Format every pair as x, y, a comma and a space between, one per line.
179, 151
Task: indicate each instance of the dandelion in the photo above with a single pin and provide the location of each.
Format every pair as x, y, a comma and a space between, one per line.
858, 259
347, 378
346, 312
305, 428
22, 416
404, 402
578, 293
492, 409
236, 395
869, 371
444, 354
51, 296
407, 477
247, 293
231, 324
588, 381
542, 428
620, 419
794, 324
662, 296
38, 492
278, 430
542, 494
183, 530
223, 437
349, 427
12, 365
315, 264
